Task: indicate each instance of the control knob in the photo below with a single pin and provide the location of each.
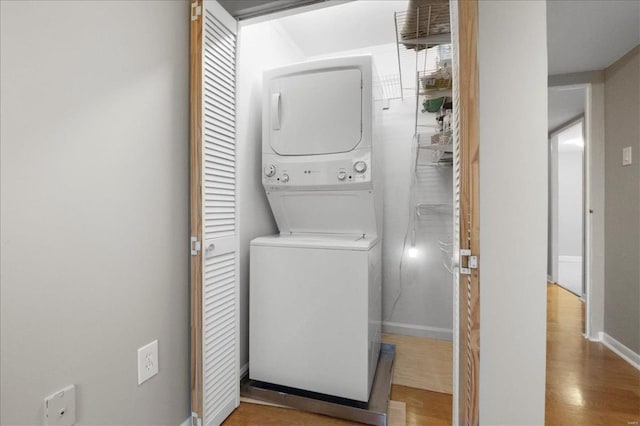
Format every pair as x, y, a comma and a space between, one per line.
360, 166
269, 170
284, 178
342, 175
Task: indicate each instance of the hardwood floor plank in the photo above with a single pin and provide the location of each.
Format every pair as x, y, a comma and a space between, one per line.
587, 384
422, 363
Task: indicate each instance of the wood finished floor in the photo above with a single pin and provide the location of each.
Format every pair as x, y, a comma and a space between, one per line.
587, 384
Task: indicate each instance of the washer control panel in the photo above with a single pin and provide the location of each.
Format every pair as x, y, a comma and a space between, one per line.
360, 167
329, 173
269, 170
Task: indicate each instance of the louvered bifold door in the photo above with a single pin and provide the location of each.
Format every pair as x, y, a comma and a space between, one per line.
467, 212
215, 318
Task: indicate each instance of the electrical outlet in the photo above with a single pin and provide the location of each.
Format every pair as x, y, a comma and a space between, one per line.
60, 407
147, 361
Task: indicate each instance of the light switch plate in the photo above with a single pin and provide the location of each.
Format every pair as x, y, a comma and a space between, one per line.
147, 361
626, 156
60, 407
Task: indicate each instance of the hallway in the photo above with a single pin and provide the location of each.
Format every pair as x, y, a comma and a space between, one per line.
587, 384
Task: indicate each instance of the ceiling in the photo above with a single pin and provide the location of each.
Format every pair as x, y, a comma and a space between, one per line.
244, 9
588, 35
347, 26
565, 104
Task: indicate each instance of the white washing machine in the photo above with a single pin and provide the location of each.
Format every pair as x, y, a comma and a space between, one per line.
315, 308
315, 289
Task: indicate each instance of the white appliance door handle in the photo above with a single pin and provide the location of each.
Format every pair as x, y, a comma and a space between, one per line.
275, 111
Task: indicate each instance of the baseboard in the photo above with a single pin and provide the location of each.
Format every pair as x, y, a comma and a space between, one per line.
244, 370
417, 330
570, 259
621, 350
186, 422
594, 338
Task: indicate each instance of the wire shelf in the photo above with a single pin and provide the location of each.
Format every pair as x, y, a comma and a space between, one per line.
423, 209
418, 31
388, 87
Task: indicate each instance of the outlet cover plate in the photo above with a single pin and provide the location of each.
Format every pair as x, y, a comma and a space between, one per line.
147, 361
626, 156
60, 407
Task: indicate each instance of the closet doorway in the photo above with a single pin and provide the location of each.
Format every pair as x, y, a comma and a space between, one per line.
218, 46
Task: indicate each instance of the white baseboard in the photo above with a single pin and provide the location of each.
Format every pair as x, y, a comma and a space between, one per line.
593, 338
186, 422
244, 370
621, 350
417, 330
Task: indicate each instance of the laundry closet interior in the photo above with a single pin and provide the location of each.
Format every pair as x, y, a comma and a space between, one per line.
261, 219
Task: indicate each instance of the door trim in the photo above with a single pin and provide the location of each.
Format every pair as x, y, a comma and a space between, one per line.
195, 194
469, 294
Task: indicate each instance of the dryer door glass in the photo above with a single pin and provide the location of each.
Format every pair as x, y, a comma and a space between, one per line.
315, 112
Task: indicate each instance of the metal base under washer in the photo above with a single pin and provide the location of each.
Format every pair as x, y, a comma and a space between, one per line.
375, 412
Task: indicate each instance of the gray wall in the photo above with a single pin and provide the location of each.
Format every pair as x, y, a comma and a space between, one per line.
94, 208
513, 211
622, 201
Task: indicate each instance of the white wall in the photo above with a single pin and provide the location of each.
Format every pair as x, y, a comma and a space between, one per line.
513, 211
260, 47
94, 208
569, 202
417, 299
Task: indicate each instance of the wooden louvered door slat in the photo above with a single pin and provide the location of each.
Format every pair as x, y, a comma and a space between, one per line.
214, 268
468, 212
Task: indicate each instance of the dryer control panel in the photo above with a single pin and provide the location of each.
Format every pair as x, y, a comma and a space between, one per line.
347, 172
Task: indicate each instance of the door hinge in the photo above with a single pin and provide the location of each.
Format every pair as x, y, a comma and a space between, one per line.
195, 420
195, 246
472, 262
196, 10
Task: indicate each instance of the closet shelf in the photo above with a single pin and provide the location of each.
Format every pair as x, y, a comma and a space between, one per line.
434, 147
427, 208
436, 93
432, 40
418, 29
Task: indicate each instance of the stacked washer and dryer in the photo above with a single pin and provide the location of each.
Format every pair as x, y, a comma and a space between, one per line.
315, 288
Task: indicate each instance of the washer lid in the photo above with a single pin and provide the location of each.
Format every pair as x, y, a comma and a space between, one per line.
324, 241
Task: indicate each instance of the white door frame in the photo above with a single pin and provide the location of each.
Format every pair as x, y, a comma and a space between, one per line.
587, 223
